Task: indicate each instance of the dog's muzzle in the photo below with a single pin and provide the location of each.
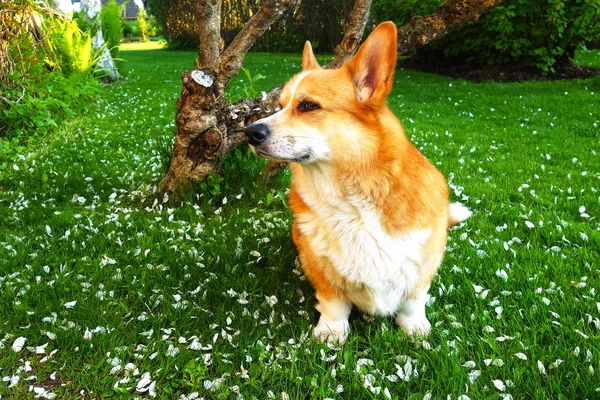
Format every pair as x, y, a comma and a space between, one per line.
257, 133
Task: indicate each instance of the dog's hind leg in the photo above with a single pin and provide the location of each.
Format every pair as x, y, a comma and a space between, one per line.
411, 316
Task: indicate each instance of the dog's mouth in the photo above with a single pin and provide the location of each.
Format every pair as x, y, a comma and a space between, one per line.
259, 152
302, 158
306, 157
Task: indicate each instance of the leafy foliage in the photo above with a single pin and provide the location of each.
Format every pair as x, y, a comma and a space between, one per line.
112, 31
401, 11
539, 33
131, 28
70, 48
39, 106
87, 24
178, 22
45, 73
249, 89
312, 20
142, 24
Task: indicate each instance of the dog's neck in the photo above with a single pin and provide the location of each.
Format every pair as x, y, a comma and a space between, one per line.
369, 178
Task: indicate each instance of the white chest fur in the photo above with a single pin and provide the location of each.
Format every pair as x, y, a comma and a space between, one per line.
379, 269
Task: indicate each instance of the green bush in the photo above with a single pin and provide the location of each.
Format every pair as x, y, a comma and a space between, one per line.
112, 31
85, 23
401, 11
42, 102
130, 29
142, 24
178, 22
70, 48
311, 20
154, 28
539, 33
47, 75
38, 106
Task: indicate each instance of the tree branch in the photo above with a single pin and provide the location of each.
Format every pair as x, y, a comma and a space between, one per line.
245, 112
231, 59
356, 26
209, 32
208, 128
449, 17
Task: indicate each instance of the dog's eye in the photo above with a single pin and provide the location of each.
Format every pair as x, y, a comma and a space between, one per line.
306, 106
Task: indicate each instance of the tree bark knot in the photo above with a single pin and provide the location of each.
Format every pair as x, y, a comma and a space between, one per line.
207, 147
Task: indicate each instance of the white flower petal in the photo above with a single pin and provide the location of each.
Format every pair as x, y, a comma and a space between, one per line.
70, 304
499, 384
541, 367
144, 381
529, 224
18, 344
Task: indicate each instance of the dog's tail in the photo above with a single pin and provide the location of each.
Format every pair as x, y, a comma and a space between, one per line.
457, 213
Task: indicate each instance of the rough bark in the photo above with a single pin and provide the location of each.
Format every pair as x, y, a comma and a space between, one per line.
208, 128
209, 12
357, 20
450, 16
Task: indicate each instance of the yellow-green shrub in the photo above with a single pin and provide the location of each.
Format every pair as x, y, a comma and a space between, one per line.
71, 49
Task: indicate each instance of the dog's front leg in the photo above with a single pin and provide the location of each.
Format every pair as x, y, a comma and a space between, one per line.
335, 309
333, 322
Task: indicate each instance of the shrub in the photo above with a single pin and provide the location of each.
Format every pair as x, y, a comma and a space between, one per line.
539, 33
43, 101
401, 11
154, 27
178, 22
311, 20
85, 23
142, 24
130, 29
45, 74
70, 48
110, 17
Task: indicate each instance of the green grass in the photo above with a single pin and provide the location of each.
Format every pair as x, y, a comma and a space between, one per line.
149, 281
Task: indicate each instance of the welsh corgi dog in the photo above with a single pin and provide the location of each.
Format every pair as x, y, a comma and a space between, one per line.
371, 213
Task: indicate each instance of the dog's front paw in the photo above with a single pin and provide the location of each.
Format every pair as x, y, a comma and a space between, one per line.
416, 326
334, 332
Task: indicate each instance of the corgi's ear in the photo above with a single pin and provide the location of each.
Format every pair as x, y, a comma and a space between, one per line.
308, 58
372, 68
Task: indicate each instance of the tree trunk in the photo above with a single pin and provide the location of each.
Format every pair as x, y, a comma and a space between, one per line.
208, 128
92, 9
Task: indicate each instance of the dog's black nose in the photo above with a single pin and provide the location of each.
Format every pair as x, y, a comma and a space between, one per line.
257, 133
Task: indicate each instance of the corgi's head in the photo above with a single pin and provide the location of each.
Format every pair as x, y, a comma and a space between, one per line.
331, 115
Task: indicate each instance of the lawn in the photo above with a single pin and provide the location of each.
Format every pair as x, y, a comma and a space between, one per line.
107, 290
